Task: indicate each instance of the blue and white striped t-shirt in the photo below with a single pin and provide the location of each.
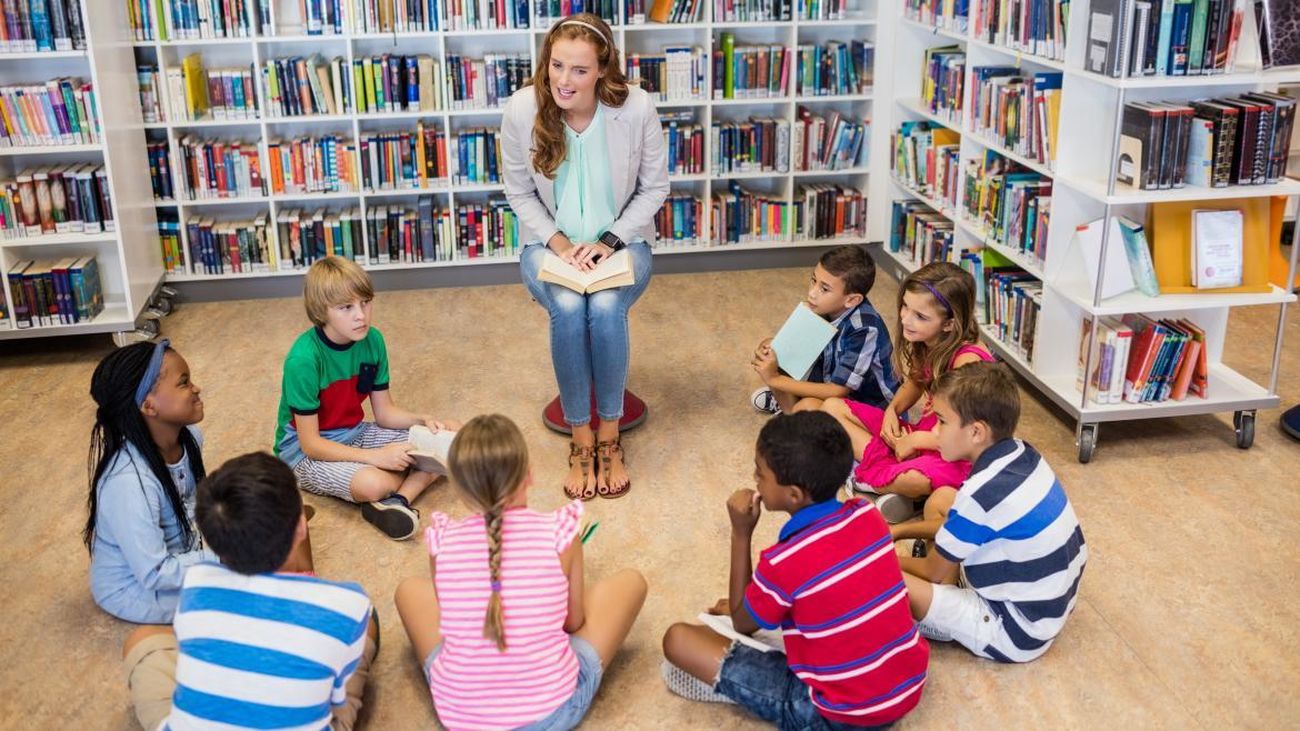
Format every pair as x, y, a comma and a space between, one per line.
1019, 543
268, 651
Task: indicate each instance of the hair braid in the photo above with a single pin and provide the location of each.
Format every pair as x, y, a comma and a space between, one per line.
493, 625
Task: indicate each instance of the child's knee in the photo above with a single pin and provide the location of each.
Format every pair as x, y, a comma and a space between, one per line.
807, 404
911, 484
835, 406
371, 484
677, 641
634, 582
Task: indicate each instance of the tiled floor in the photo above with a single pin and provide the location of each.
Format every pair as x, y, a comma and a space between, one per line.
1187, 614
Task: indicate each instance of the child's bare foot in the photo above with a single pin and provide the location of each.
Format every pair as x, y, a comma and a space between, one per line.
613, 480
580, 483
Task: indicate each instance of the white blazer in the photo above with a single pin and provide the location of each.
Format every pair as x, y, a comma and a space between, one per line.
638, 167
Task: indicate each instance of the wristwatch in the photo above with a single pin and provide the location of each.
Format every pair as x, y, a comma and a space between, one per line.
610, 239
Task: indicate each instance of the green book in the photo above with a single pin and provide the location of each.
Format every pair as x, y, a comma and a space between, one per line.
728, 66
1196, 40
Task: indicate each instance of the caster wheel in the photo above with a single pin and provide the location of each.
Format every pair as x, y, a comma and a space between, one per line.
1087, 442
1244, 421
162, 306
130, 337
151, 326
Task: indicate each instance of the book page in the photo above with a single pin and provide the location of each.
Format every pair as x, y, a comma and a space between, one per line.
616, 264
801, 340
764, 640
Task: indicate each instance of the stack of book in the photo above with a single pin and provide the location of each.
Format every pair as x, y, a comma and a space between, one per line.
740, 216
61, 111
477, 156
56, 199
834, 68
549, 11
1035, 27
230, 247
1011, 204
191, 19
943, 83
300, 87
486, 83
925, 159
1168, 37
397, 16
750, 72
169, 237
486, 230
684, 141
1136, 359
394, 83
675, 75
948, 14
757, 145
32, 26
678, 220
325, 164
830, 142
197, 93
827, 211
406, 235
304, 236
216, 168
920, 234
52, 292
1013, 299
1019, 112
743, 11
1241, 140
402, 160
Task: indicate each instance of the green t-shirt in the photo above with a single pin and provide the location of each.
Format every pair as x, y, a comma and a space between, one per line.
331, 381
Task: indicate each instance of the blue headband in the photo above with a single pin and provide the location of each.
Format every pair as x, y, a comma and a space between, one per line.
942, 300
150, 378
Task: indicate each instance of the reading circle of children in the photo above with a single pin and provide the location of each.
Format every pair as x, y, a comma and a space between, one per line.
585, 172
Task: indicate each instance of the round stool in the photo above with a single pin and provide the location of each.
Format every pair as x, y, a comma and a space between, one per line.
634, 413
1291, 422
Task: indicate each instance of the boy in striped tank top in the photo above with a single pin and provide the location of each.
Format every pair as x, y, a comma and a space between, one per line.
853, 656
506, 634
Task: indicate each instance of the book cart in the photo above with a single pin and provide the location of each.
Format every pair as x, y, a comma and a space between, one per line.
130, 272
1083, 190
286, 35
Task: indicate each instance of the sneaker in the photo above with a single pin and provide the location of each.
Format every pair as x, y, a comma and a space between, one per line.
765, 401
914, 547
895, 508
688, 686
393, 515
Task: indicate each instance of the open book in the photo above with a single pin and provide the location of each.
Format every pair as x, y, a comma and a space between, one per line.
613, 271
801, 340
431, 448
764, 640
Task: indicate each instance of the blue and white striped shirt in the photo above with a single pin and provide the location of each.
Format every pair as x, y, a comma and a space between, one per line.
267, 651
859, 357
1019, 543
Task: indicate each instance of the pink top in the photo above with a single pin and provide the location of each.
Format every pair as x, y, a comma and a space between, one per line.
474, 685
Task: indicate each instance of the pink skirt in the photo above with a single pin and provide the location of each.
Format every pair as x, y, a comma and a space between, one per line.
879, 465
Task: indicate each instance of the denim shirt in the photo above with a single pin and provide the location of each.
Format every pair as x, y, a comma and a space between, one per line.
139, 553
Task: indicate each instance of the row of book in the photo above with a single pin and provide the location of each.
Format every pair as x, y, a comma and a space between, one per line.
50, 292
214, 168
1242, 140
307, 164
185, 19
550, 11
834, 68
741, 216
1012, 204
32, 26
952, 15
210, 169
1166, 38
743, 11
750, 72
1036, 27
160, 167
684, 142
675, 75
198, 93
1013, 299
486, 83
678, 220
759, 144
640, 12
943, 81
1020, 112
403, 160
919, 233
189, 19
829, 211
828, 142
925, 159
477, 156
57, 199
1137, 359
300, 86
61, 111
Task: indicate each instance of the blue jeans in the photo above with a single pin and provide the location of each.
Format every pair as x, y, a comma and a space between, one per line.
589, 342
763, 684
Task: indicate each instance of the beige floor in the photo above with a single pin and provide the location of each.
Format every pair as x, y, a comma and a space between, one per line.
1187, 614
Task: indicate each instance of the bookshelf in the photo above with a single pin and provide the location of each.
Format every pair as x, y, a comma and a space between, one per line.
130, 272
1081, 190
285, 36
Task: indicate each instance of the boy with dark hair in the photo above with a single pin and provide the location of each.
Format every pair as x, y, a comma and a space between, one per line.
297, 648
1004, 572
853, 656
856, 364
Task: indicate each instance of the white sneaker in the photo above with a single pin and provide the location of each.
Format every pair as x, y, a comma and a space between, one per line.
895, 508
765, 401
688, 686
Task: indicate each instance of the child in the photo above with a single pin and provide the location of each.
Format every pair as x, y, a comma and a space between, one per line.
257, 644
856, 363
1010, 532
936, 333
328, 374
512, 640
147, 459
853, 656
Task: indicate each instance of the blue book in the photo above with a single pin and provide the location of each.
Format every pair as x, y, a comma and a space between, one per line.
1180, 37
1139, 256
801, 340
1162, 44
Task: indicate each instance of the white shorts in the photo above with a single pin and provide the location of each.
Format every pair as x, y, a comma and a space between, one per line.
958, 614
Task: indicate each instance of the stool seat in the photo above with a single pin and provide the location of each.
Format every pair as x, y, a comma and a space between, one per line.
1291, 422
634, 413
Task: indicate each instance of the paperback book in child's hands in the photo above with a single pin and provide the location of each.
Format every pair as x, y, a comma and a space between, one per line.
431, 448
613, 271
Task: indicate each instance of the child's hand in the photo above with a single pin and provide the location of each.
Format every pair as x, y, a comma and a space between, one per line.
392, 457
743, 509
765, 365
763, 348
904, 447
721, 608
437, 425
890, 430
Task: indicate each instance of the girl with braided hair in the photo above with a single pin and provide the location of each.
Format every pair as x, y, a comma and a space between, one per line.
505, 631
145, 461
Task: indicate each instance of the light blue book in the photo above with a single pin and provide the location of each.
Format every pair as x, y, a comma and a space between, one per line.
1163, 39
801, 340
1139, 257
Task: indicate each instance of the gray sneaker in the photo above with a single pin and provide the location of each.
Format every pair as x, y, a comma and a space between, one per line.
392, 515
765, 401
895, 508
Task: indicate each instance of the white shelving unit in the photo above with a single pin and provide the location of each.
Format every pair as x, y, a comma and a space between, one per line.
129, 266
1083, 191
647, 38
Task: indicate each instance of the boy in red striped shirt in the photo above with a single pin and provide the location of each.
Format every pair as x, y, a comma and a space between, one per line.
832, 585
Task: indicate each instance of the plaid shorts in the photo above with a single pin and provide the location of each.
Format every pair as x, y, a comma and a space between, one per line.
334, 479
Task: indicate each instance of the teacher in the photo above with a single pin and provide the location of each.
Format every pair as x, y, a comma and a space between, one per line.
585, 172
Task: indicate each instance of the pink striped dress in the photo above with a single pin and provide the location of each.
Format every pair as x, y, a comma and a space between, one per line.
474, 685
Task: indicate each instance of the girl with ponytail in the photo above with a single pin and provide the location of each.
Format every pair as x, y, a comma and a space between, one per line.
507, 600
145, 461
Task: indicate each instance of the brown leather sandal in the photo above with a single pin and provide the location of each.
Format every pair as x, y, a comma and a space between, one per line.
584, 455
606, 451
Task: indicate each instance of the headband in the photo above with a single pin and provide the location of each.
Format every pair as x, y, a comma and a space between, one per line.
150, 378
590, 27
942, 300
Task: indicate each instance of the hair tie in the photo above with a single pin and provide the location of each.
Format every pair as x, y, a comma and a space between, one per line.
942, 300
589, 26
496, 587
150, 378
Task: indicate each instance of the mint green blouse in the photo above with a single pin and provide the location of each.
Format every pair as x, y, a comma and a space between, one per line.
584, 192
